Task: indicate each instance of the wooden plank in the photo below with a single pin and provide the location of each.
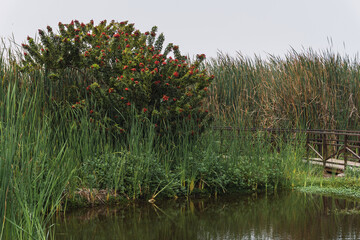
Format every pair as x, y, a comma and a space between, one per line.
333, 163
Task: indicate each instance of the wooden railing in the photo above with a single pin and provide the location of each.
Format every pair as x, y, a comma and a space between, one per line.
336, 149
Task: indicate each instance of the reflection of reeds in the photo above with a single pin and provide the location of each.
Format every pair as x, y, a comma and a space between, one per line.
280, 216
309, 89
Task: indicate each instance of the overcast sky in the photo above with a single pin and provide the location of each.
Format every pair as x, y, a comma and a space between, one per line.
205, 26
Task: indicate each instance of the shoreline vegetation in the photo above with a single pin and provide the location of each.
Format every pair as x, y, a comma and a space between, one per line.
55, 160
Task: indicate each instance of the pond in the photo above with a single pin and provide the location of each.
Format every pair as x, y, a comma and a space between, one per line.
286, 215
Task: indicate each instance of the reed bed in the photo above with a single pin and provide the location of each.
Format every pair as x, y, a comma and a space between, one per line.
302, 89
52, 156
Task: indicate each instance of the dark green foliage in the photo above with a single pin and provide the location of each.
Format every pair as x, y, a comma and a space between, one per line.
117, 70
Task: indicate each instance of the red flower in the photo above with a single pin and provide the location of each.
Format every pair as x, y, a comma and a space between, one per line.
176, 74
174, 99
201, 56
132, 79
111, 90
122, 98
133, 69
157, 82
157, 62
125, 67
141, 64
144, 110
125, 39
128, 103
88, 88
73, 106
116, 35
128, 45
91, 111
164, 63
136, 82
126, 89
165, 98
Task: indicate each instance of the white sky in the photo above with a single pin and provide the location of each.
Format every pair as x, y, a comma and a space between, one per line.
205, 26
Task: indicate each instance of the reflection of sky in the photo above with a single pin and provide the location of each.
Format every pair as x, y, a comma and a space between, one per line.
205, 26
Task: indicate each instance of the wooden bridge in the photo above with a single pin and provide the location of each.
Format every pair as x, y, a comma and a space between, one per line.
335, 150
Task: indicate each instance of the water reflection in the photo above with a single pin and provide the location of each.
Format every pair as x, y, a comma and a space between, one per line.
290, 215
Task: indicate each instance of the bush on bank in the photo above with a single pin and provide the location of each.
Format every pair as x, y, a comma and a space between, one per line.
118, 69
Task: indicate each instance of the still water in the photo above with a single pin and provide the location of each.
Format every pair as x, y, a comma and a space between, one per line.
287, 215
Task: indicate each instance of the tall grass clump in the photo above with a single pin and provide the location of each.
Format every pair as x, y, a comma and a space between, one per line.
33, 171
307, 89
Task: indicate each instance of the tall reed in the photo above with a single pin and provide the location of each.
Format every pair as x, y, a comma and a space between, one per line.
33, 171
309, 89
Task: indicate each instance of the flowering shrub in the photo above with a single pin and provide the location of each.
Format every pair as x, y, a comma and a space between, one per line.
122, 71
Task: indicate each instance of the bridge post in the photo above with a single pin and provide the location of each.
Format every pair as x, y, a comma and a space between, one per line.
345, 152
324, 149
307, 145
